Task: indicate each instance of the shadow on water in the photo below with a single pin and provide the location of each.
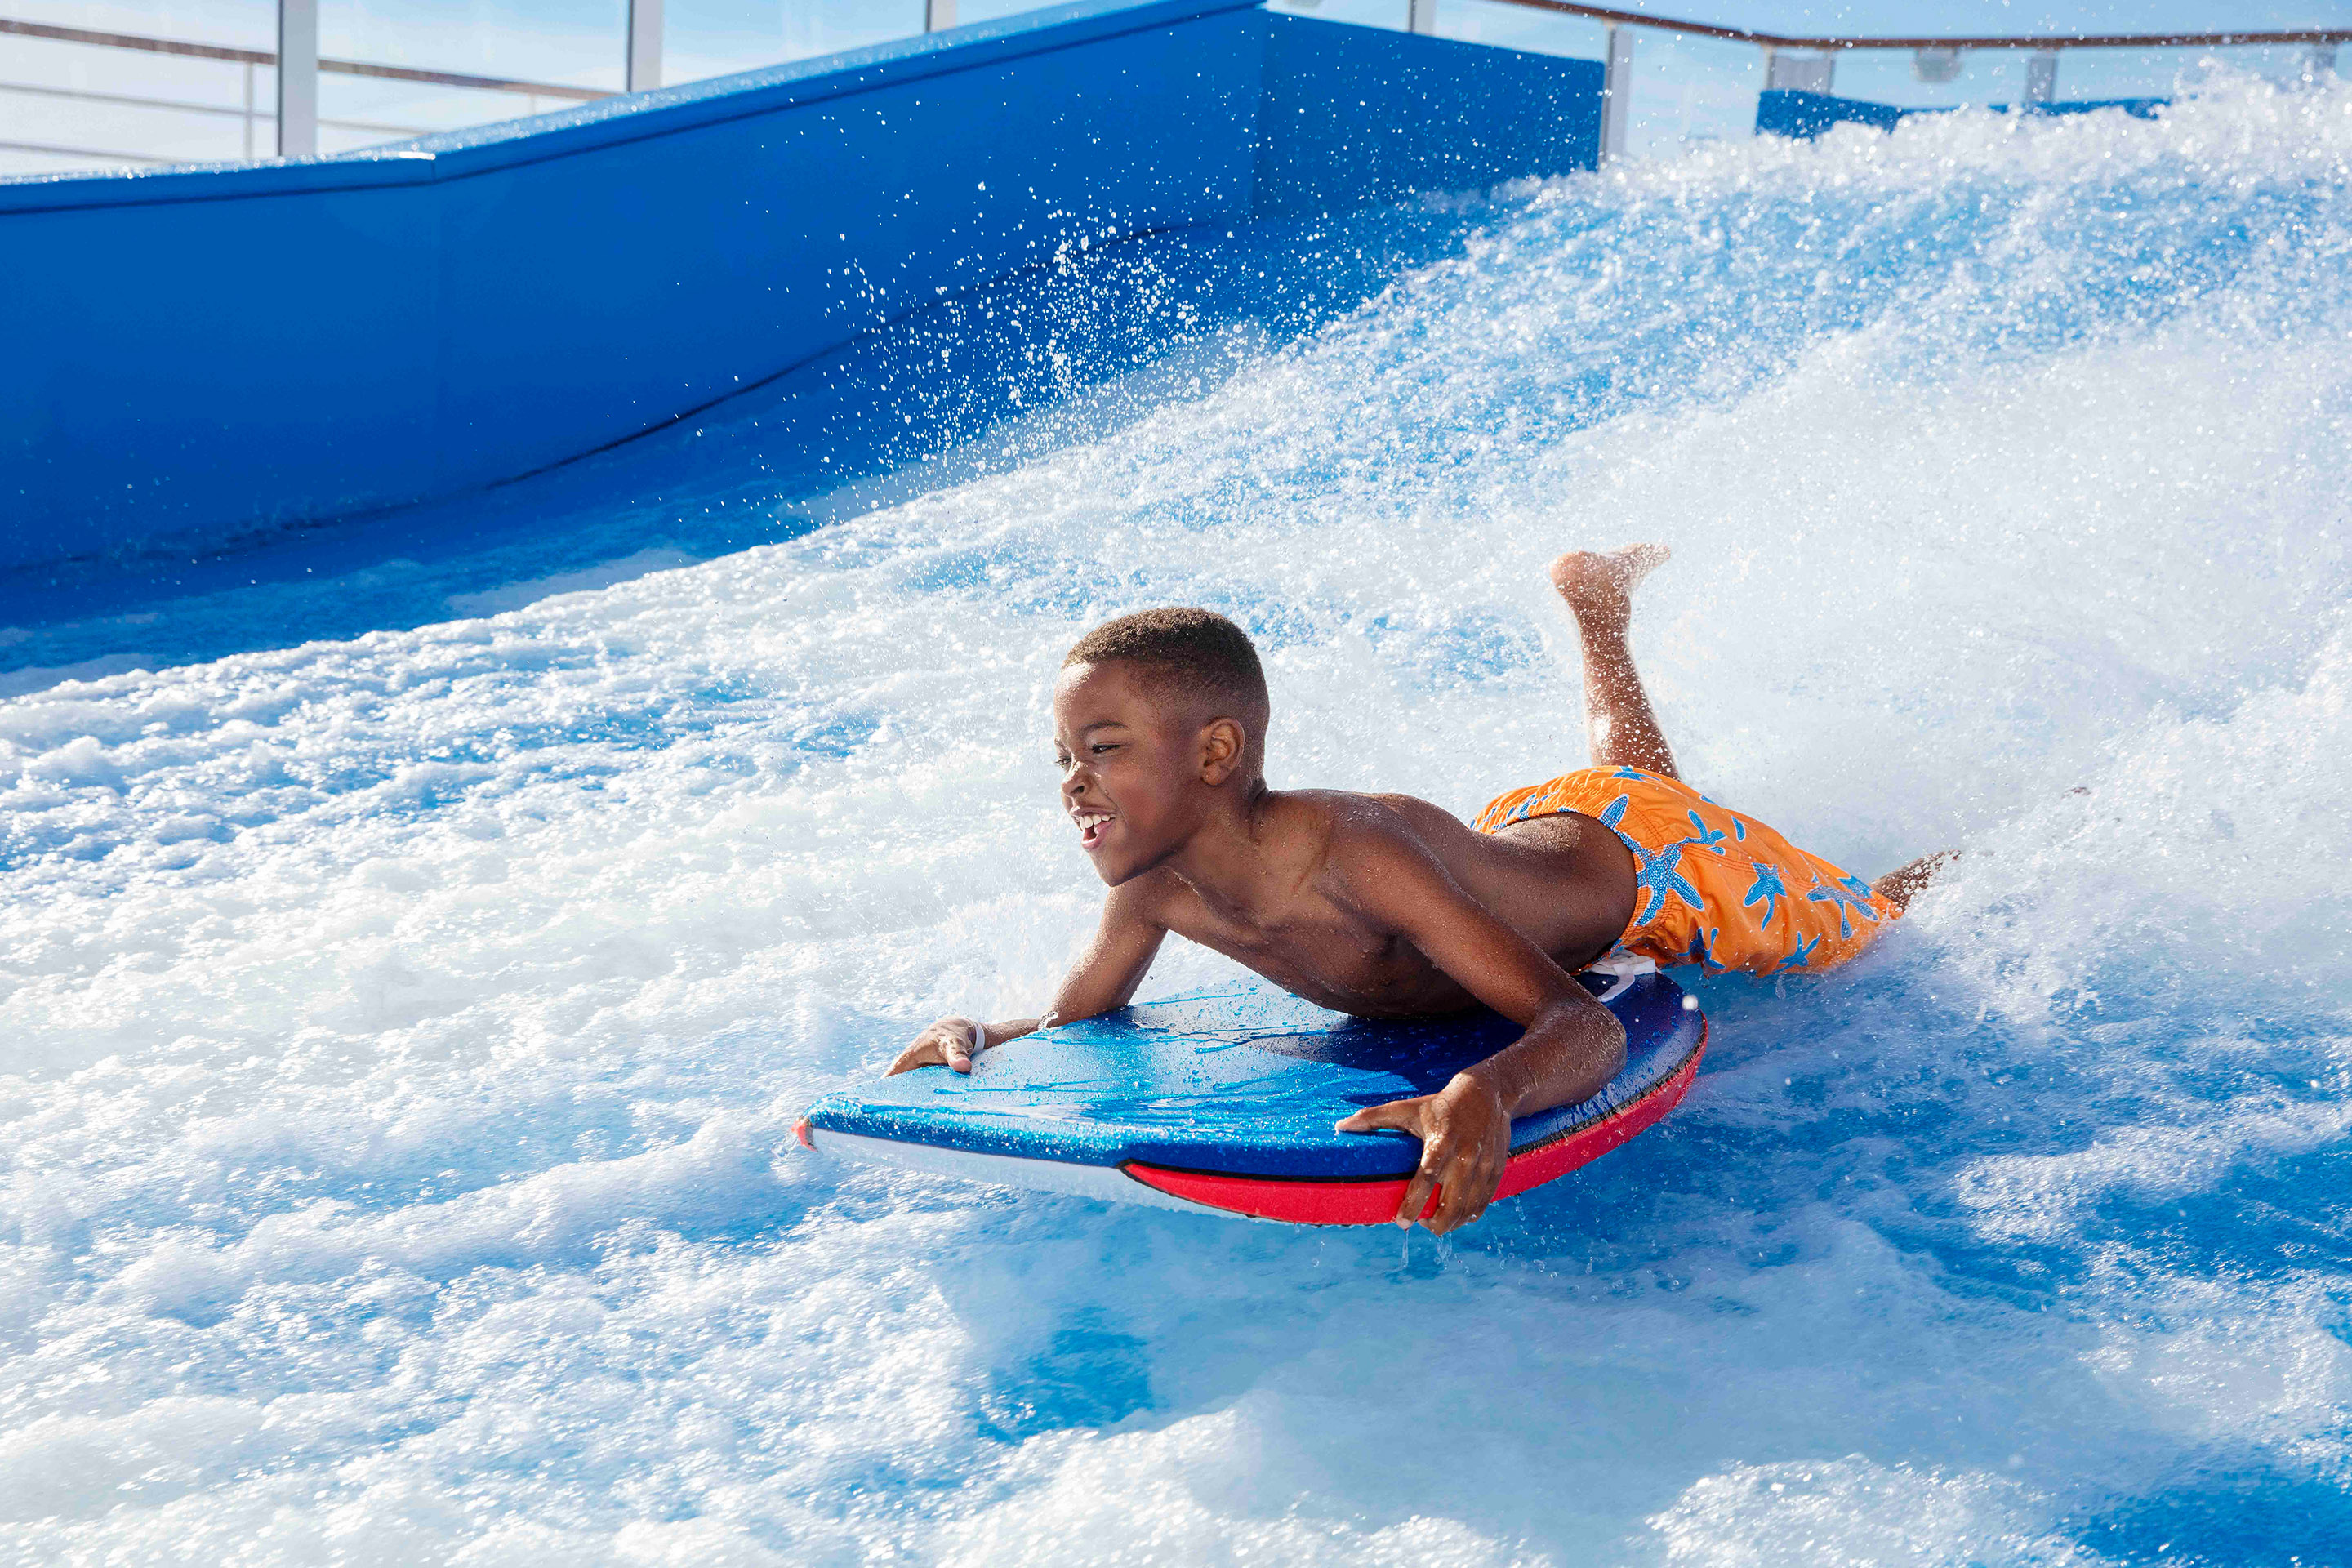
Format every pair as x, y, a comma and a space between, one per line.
895, 413
1084, 1375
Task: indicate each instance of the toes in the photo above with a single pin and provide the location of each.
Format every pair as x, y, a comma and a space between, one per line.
1640, 560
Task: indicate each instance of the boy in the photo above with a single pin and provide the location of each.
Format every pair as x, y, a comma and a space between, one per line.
1382, 905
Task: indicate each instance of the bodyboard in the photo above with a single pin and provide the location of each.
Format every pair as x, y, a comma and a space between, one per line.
1223, 1102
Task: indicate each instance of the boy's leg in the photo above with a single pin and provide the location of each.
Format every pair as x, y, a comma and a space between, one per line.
1599, 588
1619, 727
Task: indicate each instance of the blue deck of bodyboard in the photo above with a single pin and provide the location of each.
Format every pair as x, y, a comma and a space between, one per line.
1245, 1082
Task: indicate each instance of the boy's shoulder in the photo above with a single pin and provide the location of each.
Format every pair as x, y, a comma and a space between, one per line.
1334, 813
1353, 827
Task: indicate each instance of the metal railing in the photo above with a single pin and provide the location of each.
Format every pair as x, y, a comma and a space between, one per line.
1807, 63
252, 113
2014, 41
293, 117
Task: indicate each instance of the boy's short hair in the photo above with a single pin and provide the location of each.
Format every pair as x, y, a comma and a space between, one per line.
1196, 652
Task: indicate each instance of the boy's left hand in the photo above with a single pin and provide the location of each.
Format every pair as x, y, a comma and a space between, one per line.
1466, 1137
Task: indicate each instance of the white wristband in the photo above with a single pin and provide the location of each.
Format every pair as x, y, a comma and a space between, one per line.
978, 1037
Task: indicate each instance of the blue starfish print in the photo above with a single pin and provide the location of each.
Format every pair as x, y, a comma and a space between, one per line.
1708, 838
1802, 957
1611, 815
1659, 872
1739, 830
1629, 774
1702, 948
1769, 889
1841, 893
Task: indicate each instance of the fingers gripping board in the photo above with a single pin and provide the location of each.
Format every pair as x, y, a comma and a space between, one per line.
1225, 1102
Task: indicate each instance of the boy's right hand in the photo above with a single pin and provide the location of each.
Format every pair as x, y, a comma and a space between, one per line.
951, 1042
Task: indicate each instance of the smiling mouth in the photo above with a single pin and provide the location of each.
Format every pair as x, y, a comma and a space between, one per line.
1090, 827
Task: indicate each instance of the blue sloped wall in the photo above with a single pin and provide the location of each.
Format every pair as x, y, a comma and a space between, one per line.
200, 356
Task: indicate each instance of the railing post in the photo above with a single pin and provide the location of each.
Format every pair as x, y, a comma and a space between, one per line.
298, 78
644, 45
1617, 94
1420, 16
2318, 62
939, 15
248, 111
2040, 78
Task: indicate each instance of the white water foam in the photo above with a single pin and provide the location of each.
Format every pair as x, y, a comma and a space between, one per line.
404, 1032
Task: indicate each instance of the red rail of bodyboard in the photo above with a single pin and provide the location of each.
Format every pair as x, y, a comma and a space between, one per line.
1376, 1202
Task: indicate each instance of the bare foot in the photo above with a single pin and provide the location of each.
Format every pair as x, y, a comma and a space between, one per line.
1900, 886
1599, 584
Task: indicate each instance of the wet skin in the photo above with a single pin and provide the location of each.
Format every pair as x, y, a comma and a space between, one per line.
1564, 883
1381, 906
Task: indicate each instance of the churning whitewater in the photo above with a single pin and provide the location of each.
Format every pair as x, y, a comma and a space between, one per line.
404, 1030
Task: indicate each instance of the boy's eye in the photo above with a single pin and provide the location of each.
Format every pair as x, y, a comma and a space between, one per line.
1102, 746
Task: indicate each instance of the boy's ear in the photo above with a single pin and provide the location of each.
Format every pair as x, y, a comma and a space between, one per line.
1221, 751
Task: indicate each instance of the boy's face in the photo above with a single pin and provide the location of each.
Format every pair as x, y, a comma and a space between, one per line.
1138, 775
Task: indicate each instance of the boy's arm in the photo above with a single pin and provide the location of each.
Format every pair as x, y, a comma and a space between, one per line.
1572, 1045
1114, 964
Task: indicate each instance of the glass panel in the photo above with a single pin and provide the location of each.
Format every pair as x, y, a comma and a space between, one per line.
1893, 76
236, 24
44, 130
989, 10
1521, 27
2091, 74
714, 37
1390, 13
363, 111
575, 42
2085, 76
1690, 89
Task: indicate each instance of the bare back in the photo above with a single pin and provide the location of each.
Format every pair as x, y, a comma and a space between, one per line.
1563, 882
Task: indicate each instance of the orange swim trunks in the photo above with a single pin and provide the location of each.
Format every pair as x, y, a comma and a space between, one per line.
1711, 887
